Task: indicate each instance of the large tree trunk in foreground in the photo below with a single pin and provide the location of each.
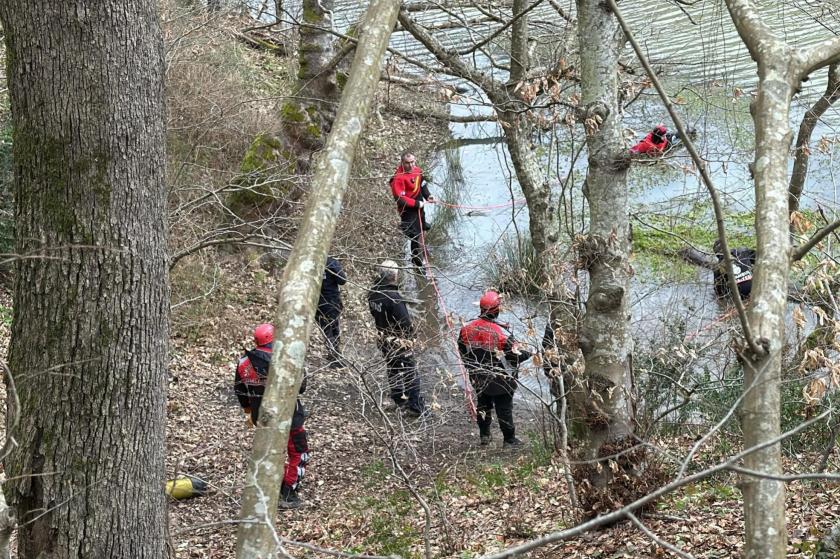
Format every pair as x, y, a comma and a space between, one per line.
301, 285
780, 71
604, 334
91, 313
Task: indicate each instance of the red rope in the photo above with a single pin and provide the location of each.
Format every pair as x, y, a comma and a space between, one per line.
491, 207
468, 391
721, 317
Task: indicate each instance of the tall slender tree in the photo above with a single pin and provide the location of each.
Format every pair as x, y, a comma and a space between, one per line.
781, 69
91, 308
605, 338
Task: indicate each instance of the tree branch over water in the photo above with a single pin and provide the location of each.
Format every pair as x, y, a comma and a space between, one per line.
755, 348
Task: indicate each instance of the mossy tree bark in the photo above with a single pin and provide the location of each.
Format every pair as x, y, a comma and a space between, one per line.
605, 340
91, 310
301, 284
781, 69
275, 160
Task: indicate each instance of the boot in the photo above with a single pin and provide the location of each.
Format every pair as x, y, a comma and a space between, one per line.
514, 443
484, 440
289, 498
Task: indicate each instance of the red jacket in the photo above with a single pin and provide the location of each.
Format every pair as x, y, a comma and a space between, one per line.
650, 145
408, 188
488, 355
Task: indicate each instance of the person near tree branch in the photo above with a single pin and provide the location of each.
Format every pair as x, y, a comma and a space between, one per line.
656, 142
249, 385
411, 192
492, 358
329, 308
396, 339
743, 260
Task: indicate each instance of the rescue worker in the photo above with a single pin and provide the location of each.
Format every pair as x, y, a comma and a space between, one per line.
411, 192
249, 385
743, 260
491, 357
656, 142
396, 335
329, 308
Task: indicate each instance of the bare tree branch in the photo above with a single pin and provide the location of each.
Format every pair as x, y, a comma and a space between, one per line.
801, 251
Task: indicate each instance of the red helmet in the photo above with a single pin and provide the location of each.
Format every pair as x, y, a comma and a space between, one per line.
264, 334
490, 301
660, 129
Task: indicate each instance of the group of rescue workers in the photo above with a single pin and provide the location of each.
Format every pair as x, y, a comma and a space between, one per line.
487, 348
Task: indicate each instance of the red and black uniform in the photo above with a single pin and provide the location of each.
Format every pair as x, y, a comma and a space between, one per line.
249, 386
654, 143
488, 355
409, 188
743, 260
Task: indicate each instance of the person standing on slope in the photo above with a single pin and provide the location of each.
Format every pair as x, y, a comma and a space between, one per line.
411, 192
492, 357
249, 386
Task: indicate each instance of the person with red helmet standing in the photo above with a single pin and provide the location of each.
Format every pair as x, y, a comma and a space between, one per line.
411, 192
249, 386
491, 356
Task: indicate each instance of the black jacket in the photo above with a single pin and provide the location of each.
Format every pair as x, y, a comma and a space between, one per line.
334, 277
742, 265
488, 355
390, 314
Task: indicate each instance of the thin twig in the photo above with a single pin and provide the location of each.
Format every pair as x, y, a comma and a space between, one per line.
659, 541
801, 251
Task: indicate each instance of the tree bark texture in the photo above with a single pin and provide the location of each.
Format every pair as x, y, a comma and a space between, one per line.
781, 69
301, 285
803, 138
605, 338
89, 348
308, 117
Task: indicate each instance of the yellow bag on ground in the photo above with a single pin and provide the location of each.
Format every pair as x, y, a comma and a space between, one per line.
186, 487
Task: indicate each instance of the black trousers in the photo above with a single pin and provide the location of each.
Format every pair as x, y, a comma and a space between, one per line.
411, 228
403, 380
329, 324
504, 412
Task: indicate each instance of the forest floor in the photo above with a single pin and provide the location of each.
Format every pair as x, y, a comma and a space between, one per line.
371, 467
357, 498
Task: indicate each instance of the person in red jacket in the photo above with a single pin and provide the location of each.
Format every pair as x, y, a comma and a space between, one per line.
249, 386
491, 357
654, 143
411, 192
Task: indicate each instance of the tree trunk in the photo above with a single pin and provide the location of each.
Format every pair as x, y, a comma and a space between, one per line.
604, 333
91, 315
803, 138
301, 285
308, 117
764, 499
780, 72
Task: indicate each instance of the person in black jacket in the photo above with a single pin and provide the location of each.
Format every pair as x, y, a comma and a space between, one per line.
491, 357
743, 260
396, 335
330, 306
